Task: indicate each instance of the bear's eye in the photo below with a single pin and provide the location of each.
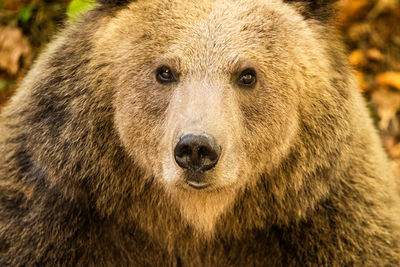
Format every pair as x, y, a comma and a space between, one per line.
247, 78
164, 75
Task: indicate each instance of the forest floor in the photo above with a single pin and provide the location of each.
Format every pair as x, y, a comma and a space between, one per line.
371, 30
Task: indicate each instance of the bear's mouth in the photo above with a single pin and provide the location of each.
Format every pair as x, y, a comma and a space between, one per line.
196, 180
197, 185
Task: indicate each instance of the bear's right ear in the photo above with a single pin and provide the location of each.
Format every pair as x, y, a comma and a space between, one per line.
317, 9
314, 4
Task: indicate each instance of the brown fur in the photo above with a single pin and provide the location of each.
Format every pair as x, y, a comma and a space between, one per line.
87, 175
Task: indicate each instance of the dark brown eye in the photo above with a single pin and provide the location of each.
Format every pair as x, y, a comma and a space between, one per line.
247, 78
164, 75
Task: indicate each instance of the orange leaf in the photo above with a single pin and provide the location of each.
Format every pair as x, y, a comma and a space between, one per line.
364, 86
389, 79
357, 58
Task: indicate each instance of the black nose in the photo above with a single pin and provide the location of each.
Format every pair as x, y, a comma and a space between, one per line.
197, 152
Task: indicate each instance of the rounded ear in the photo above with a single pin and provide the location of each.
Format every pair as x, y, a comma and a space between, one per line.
114, 2
317, 9
314, 4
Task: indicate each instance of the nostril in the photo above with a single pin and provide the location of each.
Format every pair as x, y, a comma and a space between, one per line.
197, 152
203, 151
184, 151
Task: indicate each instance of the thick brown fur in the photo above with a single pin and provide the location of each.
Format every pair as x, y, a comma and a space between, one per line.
87, 175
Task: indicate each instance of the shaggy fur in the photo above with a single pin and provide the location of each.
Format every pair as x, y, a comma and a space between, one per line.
87, 175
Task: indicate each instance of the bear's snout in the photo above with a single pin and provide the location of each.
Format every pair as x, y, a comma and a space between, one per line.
197, 153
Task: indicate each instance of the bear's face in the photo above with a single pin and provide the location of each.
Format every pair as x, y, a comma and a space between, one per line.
221, 77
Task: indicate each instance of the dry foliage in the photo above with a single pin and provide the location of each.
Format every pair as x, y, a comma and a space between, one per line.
372, 32
15, 50
25, 27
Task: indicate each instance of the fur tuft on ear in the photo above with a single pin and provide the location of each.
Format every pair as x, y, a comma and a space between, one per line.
114, 2
316, 9
313, 4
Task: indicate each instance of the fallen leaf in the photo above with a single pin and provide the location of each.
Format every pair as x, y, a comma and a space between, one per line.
393, 147
389, 79
388, 103
351, 10
357, 58
375, 54
381, 6
14, 49
364, 86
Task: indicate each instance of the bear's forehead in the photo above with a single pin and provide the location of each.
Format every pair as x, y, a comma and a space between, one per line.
218, 21
201, 33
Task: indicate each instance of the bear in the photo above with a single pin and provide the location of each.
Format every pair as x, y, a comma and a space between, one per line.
195, 133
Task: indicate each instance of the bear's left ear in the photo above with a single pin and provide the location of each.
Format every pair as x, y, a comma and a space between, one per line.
114, 2
317, 9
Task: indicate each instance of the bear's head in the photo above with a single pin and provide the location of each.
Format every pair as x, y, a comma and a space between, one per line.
211, 97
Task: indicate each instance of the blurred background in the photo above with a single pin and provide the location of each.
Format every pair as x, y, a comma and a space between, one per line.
371, 31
